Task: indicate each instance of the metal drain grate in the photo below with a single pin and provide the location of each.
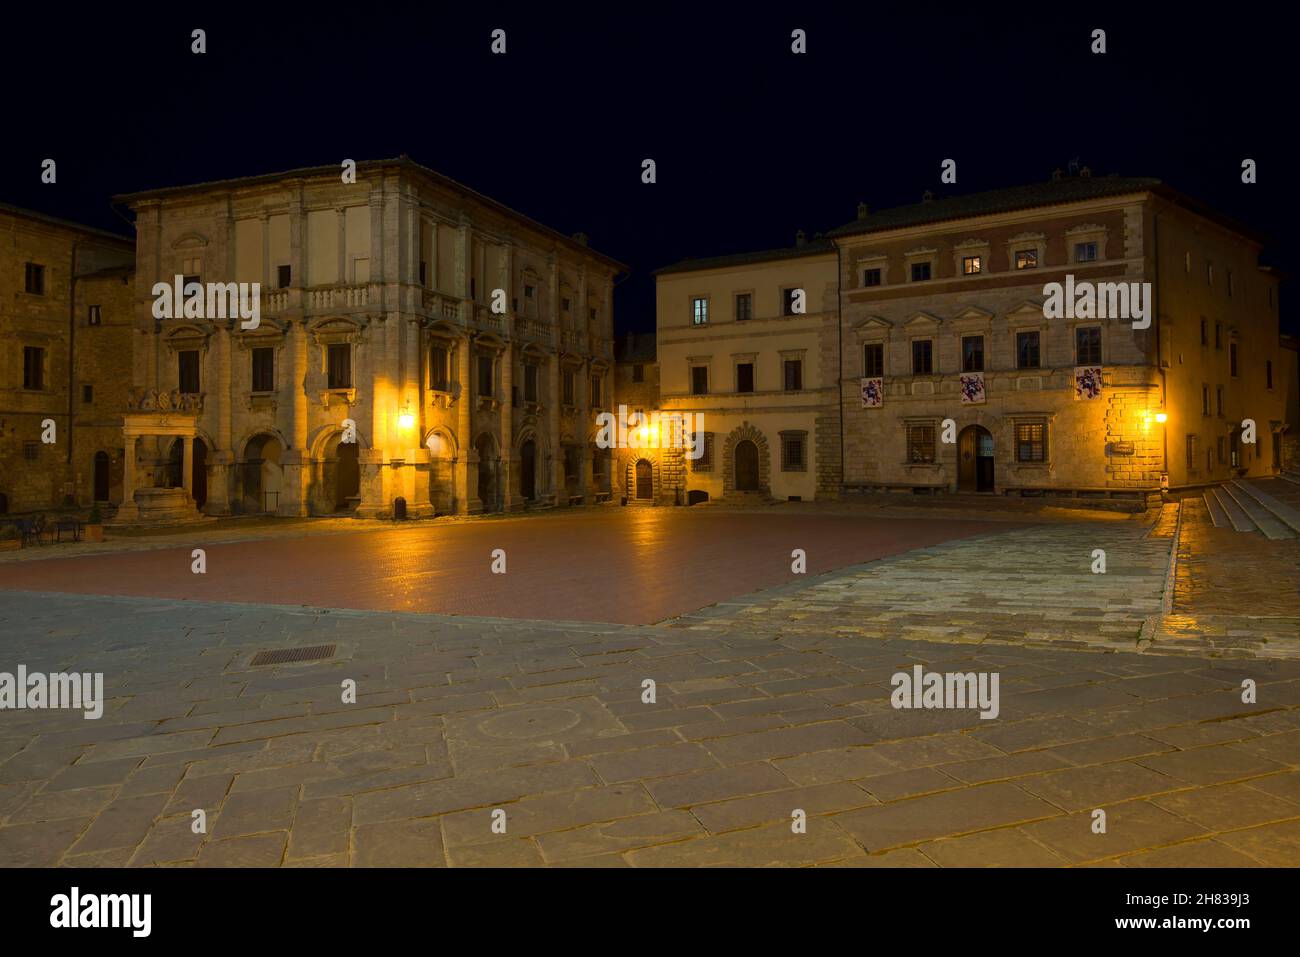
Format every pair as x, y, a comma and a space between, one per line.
286, 655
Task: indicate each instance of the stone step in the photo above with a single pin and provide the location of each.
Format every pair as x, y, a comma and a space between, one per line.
1264, 520
1237, 516
1281, 512
1217, 514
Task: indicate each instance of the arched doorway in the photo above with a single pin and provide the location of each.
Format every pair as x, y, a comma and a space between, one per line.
101, 477
746, 466
975, 459
528, 470
645, 481
487, 472
262, 474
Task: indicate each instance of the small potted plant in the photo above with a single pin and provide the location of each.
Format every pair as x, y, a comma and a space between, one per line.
10, 538
94, 528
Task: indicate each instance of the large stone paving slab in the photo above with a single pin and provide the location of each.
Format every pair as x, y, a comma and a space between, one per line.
459, 723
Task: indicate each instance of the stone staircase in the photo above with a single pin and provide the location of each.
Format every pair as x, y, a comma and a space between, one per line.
1270, 506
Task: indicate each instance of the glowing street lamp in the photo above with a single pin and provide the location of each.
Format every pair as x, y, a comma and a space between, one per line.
406, 420
1162, 417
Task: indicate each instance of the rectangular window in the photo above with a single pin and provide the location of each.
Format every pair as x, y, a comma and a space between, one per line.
530, 383
94, 316
920, 272
192, 268
1027, 350
1205, 400
33, 368
793, 374
1031, 442
793, 448
530, 290
1218, 451
972, 353
32, 451
596, 394
284, 276
920, 443
744, 306
439, 364
1087, 346
922, 357
1026, 258
1268, 373
338, 366
871, 277
787, 301
638, 373
705, 462
87, 394
699, 311
591, 315
570, 388
486, 383
1205, 332
264, 369
745, 377
564, 303
1085, 252
1218, 335
1218, 399
188, 371
424, 273
1231, 285
34, 279
699, 380
1191, 453
972, 265
1209, 273
1232, 359
873, 359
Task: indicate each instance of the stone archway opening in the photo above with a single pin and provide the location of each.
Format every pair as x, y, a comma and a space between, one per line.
528, 471
747, 476
262, 475
645, 481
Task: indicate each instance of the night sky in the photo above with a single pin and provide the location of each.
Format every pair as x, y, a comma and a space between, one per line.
752, 142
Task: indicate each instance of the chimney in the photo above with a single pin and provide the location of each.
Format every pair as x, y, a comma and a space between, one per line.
800, 238
580, 238
863, 210
927, 197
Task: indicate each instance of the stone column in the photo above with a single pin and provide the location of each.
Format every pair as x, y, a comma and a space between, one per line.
462, 481
187, 464
507, 427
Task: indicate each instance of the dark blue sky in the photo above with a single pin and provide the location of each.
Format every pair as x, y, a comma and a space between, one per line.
752, 142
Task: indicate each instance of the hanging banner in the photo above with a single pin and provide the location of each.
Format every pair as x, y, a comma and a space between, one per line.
873, 393
1087, 382
972, 388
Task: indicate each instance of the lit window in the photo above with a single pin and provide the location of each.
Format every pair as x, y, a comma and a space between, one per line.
920, 443
1031, 442
1026, 258
971, 265
700, 310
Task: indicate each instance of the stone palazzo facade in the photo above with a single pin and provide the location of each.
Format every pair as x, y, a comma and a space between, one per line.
417, 341
929, 358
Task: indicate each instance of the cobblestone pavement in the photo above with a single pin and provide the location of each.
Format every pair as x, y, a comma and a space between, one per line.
1233, 589
456, 717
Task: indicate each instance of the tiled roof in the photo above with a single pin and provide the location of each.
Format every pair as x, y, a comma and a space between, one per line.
1065, 190
814, 247
363, 165
65, 224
